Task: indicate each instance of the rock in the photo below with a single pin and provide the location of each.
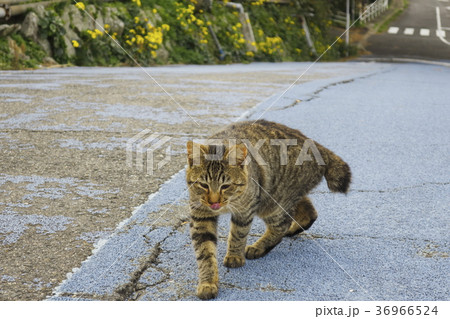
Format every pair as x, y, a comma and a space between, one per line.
7, 29
68, 38
70, 50
45, 45
163, 54
115, 24
40, 11
99, 24
47, 61
204, 4
30, 26
79, 20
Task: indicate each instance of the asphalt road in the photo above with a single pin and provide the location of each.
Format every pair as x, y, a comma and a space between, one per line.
387, 239
422, 31
64, 181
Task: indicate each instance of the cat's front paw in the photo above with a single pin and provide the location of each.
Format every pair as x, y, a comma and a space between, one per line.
206, 290
234, 261
253, 252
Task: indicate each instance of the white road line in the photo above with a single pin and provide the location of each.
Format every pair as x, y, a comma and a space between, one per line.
425, 32
439, 32
408, 31
393, 30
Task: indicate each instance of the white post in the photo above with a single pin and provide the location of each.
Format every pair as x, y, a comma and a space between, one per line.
347, 25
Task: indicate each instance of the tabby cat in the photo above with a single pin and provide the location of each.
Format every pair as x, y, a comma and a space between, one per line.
262, 169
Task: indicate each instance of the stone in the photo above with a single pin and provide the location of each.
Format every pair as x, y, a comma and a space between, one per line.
45, 45
47, 61
40, 11
115, 24
70, 50
204, 4
99, 23
163, 54
7, 29
80, 20
68, 38
30, 26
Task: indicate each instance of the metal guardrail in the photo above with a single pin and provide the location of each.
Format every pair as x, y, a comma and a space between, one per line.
373, 10
340, 18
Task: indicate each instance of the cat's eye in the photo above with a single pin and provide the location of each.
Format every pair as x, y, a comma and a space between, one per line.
225, 186
203, 185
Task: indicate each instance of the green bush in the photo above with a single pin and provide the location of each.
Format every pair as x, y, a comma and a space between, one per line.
178, 31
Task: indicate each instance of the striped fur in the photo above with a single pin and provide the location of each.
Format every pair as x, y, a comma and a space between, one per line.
265, 186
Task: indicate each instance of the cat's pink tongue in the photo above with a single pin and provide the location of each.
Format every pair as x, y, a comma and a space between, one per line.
215, 206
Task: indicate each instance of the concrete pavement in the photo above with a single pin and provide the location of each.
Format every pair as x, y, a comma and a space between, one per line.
386, 240
64, 181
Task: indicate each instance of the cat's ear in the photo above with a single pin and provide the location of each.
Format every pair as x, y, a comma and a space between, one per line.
236, 154
194, 152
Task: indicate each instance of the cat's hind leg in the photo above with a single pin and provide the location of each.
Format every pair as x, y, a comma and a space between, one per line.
304, 216
277, 225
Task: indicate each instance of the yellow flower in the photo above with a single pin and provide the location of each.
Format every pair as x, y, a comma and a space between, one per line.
132, 31
204, 41
166, 27
75, 43
98, 32
80, 5
153, 53
106, 26
136, 19
250, 54
92, 34
155, 11
114, 36
128, 42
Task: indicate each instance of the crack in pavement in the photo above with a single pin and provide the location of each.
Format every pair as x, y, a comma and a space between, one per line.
316, 93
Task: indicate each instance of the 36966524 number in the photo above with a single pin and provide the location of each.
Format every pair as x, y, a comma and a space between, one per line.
406, 310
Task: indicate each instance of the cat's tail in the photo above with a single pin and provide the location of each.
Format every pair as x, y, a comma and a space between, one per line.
337, 174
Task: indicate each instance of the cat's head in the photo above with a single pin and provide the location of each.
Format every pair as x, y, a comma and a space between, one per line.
216, 174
